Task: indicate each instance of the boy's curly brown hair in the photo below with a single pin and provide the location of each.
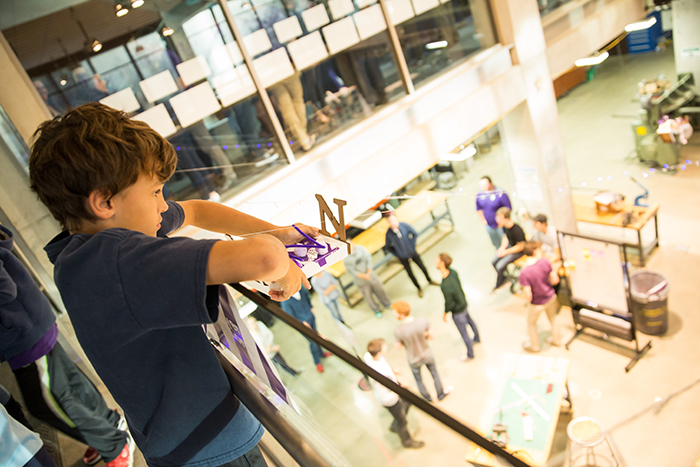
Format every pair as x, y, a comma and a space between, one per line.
93, 147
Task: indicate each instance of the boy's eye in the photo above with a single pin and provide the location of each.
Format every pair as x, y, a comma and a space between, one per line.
157, 192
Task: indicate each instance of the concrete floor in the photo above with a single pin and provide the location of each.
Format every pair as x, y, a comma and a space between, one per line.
595, 122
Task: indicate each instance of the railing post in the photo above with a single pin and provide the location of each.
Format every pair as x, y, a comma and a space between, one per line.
397, 51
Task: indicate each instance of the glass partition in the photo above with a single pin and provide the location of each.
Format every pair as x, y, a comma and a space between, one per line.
326, 65
180, 72
437, 35
548, 6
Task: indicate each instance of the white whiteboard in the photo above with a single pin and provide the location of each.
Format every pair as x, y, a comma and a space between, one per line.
595, 273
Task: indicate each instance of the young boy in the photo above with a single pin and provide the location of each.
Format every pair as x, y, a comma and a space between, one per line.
137, 301
456, 303
414, 334
376, 351
538, 280
299, 306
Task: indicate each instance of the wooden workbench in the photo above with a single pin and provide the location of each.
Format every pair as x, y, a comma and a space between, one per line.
585, 211
374, 238
534, 369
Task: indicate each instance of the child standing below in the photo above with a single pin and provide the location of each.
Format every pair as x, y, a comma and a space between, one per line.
376, 351
538, 281
137, 299
326, 286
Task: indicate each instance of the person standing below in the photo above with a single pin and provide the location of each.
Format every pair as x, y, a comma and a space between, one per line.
374, 358
413, 334
547, 236
54, 389
326, 286
511, 245
456, 303
401, 242
538, 280
299, 306
359, 265
488, 201
266, 341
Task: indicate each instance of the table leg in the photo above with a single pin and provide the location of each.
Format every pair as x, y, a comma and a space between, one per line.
641, 247
344, 288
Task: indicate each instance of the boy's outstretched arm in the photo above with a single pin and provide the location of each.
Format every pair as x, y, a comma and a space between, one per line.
216, 217
261, 257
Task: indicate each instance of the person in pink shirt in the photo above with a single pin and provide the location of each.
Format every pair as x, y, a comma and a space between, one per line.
538, 281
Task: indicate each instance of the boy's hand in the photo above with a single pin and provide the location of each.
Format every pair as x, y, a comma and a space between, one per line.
289, 284
290, 236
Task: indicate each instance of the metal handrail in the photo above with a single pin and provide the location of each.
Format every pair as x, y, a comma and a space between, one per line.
289, 437
402, 392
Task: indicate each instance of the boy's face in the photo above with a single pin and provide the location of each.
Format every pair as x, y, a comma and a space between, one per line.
139, 206
540, 226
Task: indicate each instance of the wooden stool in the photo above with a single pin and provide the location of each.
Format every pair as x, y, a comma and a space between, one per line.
586, 435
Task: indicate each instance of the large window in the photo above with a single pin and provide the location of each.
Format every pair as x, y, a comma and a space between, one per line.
322, 66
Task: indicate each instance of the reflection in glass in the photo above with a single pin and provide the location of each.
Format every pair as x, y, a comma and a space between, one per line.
326, 65
547, 6
437, 35
190, 85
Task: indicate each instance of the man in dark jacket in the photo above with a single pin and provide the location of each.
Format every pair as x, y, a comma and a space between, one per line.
401, 242
54, 389
299, 306
456, 303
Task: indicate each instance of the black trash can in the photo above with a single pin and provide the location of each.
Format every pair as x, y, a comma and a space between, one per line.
650, 302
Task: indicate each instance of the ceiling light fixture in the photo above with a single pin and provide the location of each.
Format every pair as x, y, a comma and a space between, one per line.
641, 25
96, 46
63, 81
594, 60
121, 11
166, 31
137, 3
436, 45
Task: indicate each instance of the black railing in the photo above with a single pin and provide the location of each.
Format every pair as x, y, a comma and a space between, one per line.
361, 366
289, 438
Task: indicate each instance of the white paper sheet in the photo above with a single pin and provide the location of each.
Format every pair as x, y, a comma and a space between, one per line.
315, 17
287, 29
400, 10
369, 21
124, 100
194, 104
341, 8
234, 85
193, 70
273, 67
308, 50
158, 86
257, 42
341, 35
158, 119
421, 6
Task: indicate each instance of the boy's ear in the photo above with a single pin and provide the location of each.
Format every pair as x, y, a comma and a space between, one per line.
100, 204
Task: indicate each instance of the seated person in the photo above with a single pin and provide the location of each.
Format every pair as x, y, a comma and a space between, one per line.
546, 235
511, 245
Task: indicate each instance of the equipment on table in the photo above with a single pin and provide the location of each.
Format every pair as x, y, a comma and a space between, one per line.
650, 302
608, 201
658, 135
645, 196
587, 436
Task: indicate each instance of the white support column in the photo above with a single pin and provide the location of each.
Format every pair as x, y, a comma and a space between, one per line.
531, 131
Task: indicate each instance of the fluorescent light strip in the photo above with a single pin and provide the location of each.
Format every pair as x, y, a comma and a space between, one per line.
436, 45
641, 25
595, 60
